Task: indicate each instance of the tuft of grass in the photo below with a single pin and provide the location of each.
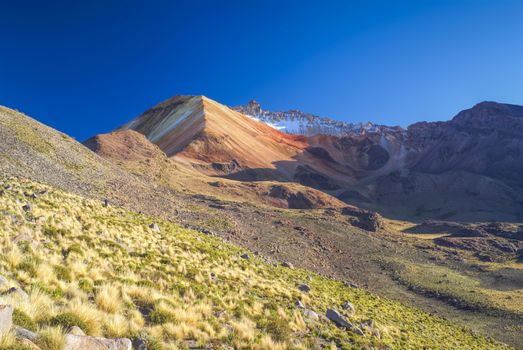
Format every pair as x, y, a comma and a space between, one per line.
67, 320
51, 338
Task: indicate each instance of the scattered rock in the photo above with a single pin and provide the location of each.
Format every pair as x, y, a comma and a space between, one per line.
17, 291
364, 219
287, 264
3, 282
33, 196
351, 284
154, 226
82, 342
139, 344
338, 319
348, 306
75, 330
299, 304
6, 318
304, 287
22, 333
245, 256
28, 344
311, 314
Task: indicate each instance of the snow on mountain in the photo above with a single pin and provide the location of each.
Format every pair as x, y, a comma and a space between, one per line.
297, 122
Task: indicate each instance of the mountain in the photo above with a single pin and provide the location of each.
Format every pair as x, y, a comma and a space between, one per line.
468, 167
298, 122
431, 265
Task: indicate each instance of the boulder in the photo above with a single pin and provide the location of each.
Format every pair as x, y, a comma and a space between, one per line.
19, 292
287, 264
348, 306
22, 333
338, 319
311, 314
304, 287
27, 344
3, 282
6, 318
299, 304
83, 342
75, 330
139, 344
154, 226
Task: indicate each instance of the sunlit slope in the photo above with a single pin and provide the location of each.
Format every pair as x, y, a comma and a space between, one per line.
104, 269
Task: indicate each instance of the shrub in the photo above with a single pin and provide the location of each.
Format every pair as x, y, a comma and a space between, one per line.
86, 285
23, 320
63, 273
157, 317
67, 320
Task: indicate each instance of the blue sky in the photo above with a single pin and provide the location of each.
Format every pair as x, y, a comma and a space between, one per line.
88, 67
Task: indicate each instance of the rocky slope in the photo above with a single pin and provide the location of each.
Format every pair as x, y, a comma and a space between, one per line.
331, 241
301, 123
465, 169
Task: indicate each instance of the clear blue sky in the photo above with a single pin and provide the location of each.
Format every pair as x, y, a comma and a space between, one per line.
85, 67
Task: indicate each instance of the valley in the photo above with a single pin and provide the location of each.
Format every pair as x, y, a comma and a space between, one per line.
215, 175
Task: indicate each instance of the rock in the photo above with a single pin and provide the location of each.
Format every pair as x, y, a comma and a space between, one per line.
299, 304
304, 287
6, 318
338, 319
139, 344
348, 306
351, 284
287, 264
75, 330
17, 291
105, 203
154, 226
83, 342
3, 282
26, 207
245, 256
28, 344
22, 333
311, 314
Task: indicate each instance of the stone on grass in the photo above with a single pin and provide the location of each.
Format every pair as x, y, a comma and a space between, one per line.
287, 264
338, 319
299, 304
83, 342
154, 226
348, 306
6, 318
22, 333
245, 256
304, 287
75, 330
28, 344
139, 344
311, 314
19, 292
3, 282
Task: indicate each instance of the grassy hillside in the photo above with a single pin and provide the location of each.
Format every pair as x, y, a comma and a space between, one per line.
105, 270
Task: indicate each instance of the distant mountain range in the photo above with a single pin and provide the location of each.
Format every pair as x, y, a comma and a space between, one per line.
298, 122
311, 200
464, 169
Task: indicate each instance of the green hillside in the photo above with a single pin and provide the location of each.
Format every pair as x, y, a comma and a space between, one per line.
105, 270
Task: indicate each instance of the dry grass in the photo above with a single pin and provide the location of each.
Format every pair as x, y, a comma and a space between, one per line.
105, 271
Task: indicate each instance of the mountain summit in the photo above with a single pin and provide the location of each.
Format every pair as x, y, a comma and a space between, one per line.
469, 167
